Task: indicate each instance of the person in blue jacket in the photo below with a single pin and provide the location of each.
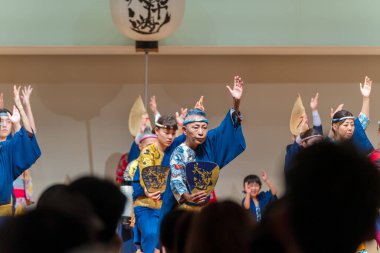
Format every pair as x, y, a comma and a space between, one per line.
16, 154
221, 145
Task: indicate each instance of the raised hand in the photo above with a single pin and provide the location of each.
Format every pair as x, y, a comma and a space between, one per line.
314, 102
237, 89
144, 122
366, 87
199, 104
16, 95
153, 104
180, 117
15, 117
332, 111
264, 175
26, 91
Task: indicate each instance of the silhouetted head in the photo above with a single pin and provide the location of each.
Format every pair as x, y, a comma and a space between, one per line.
220, 227
333, 195
106, 200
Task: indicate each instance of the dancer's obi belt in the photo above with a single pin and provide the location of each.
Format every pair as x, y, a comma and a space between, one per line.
154, 179
200, 176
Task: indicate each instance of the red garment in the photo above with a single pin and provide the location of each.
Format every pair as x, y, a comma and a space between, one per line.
121, 167
213, 197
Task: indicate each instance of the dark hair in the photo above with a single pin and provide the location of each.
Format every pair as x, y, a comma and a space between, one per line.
349, 196
168, 121
341, 114
106, 200
43, 231
5, 110
220, 227
174, 230
310, 132
252, 179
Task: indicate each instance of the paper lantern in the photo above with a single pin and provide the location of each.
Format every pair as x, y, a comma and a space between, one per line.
147, 20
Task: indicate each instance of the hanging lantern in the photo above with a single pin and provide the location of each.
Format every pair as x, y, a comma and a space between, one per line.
147, 21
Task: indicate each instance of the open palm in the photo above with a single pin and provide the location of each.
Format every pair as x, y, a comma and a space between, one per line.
237, 89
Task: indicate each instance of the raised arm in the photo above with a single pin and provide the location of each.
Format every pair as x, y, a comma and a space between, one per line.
247, 199
314, 110
332, 112
179, 118
26, 92
236, 92
365, 89
15, 118
227, 140
153, 108
24, 117
272, 188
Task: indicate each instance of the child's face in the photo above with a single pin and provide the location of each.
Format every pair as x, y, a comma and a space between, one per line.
253, 189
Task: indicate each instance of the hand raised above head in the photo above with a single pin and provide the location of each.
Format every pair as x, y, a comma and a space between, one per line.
180, 117
15, 117
153, 104
264, 175
366, 87
199, 104
26, 91
237, 89
314, 102
332, 111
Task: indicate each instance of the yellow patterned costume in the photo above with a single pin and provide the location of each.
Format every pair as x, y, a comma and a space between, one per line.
149, 156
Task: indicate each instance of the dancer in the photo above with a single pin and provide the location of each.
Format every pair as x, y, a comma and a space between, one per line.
345, 127
221, 145
303, 135
147, 205
22, 186
255, 200
16, 154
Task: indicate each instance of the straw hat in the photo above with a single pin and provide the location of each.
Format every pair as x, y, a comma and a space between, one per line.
296, 117
135, 115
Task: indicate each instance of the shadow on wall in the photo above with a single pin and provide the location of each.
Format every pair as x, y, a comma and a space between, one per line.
74, 100
111, 166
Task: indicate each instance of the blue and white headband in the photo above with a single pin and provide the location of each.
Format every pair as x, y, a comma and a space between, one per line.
3, 114
188, 121
195, 115
342, 119
312, 136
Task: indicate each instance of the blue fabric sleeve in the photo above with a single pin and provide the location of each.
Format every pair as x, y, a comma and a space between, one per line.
137, 188
227, 141
319, 129
360, 139
267, 196
134, 152
242, 202
291, 151
25, 152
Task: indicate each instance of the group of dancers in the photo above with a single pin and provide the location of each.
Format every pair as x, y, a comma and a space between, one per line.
164, 146
155, 173
219, 145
